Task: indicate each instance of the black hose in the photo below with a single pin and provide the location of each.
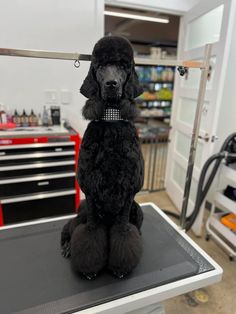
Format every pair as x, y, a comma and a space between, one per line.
203, 189
201, 193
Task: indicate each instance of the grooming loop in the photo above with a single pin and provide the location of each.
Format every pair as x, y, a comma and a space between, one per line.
77, 63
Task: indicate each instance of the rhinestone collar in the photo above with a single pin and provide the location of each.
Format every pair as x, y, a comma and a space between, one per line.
111, 114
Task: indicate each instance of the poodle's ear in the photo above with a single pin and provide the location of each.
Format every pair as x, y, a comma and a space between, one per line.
93, 109
132, 87
90, 87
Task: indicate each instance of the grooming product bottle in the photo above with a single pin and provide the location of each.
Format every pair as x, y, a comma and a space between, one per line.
16, 119
24, 119
31, 117
40, 123
56, 115
49, 120
3, 116
33, 121
45, 117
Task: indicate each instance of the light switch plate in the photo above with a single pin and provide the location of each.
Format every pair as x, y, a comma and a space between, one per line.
66, 96
51, 96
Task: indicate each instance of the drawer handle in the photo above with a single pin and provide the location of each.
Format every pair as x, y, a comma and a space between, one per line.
58, 149
43, 183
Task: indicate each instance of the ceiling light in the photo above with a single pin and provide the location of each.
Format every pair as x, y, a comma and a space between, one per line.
137, 17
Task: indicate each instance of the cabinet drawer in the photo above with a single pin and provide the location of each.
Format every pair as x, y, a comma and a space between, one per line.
36, 168
36, 155
37, 158
36, 184
50, 205
36, 148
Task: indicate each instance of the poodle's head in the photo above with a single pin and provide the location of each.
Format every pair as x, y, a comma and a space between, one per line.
111, 81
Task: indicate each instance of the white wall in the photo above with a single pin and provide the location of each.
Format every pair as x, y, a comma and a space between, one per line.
71, 26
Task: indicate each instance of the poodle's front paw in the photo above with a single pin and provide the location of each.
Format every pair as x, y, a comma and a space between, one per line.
125, 249
90, 276
89, 250
65, 249
119, 274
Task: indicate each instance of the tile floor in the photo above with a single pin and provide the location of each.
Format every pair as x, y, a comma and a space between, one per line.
219, 298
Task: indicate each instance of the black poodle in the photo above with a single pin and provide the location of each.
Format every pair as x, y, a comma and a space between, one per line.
106, 232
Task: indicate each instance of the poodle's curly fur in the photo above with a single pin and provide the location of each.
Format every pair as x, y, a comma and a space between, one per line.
106, 232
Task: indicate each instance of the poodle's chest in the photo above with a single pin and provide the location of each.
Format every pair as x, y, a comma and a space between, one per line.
117, 145
111, 145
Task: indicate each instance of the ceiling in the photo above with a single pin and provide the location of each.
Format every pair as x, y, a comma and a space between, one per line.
143, 34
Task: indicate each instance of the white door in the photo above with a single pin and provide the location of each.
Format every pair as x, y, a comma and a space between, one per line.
208, 22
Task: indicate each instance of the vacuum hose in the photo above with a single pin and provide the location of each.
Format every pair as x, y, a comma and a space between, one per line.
204, 185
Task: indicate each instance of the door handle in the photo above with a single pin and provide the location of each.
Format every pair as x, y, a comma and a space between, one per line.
206, 137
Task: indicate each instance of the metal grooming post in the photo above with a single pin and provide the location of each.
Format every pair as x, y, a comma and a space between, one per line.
85, 57
195, 133
204, 66
44, 54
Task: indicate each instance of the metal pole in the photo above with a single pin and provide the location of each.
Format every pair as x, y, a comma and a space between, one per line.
44, 54
195, 133
85, 57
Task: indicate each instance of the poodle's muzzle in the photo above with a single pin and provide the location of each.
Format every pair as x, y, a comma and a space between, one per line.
111, 79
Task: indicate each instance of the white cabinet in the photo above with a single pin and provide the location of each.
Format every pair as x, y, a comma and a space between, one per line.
215, 229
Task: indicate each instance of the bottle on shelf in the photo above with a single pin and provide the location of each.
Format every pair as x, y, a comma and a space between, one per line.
154, 75
55, 115
40, 123
45, 117
49, 120
3, 116
33, 120
16, 119
24, 119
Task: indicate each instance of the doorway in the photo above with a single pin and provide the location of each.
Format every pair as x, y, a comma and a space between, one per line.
150, 39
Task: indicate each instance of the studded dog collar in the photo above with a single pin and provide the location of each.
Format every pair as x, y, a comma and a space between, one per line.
111, 114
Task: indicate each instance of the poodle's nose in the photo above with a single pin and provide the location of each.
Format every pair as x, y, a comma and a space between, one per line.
111, 83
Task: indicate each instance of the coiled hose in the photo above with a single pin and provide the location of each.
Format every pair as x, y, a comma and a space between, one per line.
203, 188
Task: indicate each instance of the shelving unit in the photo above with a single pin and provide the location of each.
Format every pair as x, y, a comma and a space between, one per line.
156, 80
215, 229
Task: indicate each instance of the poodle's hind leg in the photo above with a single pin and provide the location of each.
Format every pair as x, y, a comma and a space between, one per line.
65, 240
89, 247
69, 228
125, 249
136, 216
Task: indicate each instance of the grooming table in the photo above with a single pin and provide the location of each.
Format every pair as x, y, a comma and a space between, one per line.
35, 278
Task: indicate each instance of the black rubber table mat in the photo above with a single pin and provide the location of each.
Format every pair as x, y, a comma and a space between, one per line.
35, 278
